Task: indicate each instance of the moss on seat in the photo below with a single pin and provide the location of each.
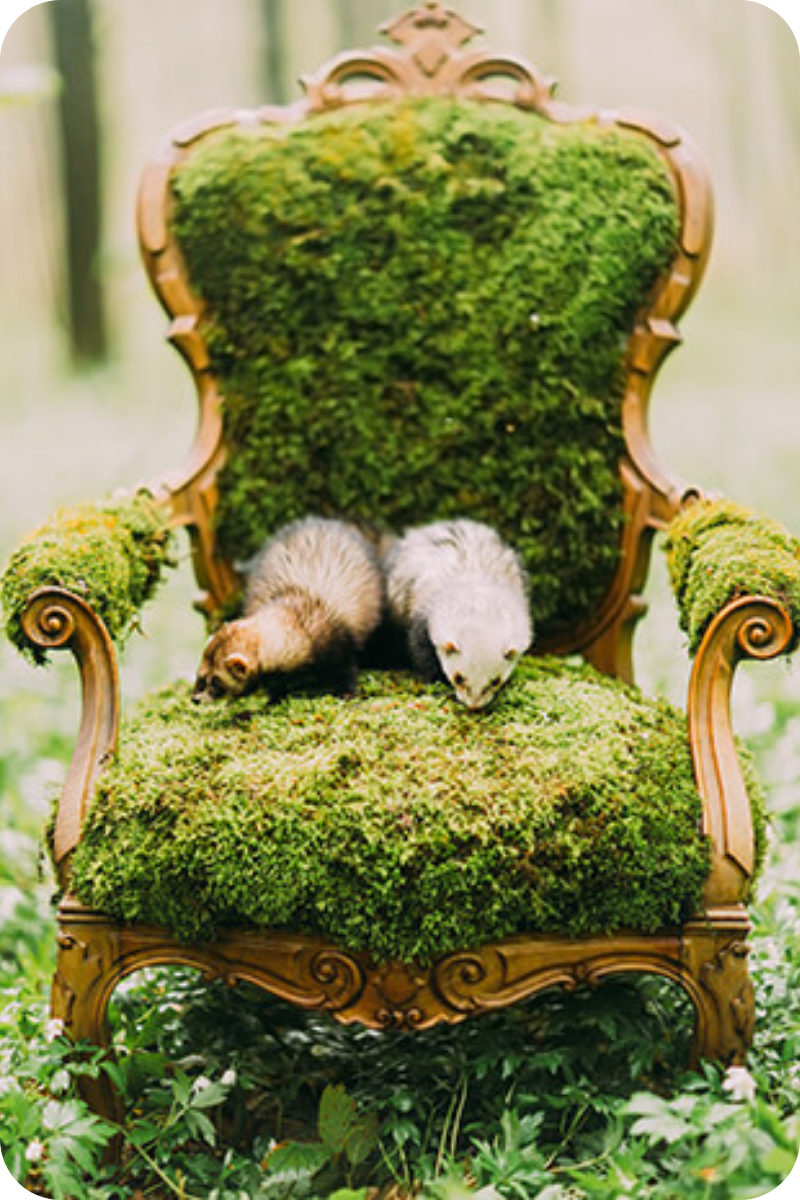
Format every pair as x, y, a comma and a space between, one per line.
397, 822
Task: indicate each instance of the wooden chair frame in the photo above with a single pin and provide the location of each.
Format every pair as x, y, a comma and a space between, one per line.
708, 956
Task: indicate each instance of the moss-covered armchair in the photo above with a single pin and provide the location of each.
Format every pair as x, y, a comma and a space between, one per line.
427, 289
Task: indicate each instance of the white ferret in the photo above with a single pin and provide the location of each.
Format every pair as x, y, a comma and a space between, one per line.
461, 595
314, 595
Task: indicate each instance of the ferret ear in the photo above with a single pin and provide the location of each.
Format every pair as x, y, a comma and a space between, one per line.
450, 648
238, 666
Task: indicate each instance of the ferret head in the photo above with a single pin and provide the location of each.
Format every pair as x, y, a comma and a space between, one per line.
478, 656
477, 677
230, 663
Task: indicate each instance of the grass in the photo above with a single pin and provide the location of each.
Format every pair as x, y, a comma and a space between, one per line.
232, 1095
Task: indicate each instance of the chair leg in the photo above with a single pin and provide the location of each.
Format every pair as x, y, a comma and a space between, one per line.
86, 972
723, 995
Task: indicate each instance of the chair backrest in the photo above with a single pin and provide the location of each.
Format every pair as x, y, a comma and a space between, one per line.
430, 290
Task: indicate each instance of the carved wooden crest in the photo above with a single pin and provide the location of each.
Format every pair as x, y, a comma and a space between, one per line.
431, 61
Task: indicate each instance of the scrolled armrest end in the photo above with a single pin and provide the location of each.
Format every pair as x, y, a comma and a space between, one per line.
749, 627
758, 627
56, 619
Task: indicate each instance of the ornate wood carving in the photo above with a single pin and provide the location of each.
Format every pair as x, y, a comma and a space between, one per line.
716, 954
708, 958
86, 972
749, 627
430, 62
56, 619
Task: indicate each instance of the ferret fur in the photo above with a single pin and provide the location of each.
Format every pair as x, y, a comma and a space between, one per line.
314, 595
461, 595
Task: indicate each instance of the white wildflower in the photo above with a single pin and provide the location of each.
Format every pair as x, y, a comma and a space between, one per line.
201, 1083
739, 1084
53, 1029
34, 1152
229, 1077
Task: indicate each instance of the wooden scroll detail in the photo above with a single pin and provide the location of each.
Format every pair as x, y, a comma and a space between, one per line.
749, 627
55, 619
716, 961
708, 958
430, 62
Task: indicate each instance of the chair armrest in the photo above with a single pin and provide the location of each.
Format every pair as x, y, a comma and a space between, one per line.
736, 578
750, 627
77, 584
54, 619
110, 555
718, 551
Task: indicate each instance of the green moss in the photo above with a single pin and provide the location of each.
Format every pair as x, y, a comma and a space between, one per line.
718, 551
397, 822
110, 554
421, 310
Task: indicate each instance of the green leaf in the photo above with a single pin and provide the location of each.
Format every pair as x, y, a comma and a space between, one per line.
362, 1139
209, 1097
779, 1162
297, 1159
337, 1118
663, 1120
199, 1124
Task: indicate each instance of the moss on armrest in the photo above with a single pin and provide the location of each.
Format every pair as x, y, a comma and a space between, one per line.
110, 554
718, 551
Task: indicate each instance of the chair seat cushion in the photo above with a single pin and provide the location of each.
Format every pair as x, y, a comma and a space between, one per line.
397, 822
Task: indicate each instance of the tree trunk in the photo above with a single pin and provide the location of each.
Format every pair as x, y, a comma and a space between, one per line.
358, 21
71, 27
276, 51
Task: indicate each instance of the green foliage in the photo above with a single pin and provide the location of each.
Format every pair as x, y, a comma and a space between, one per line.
718, 551
231, 1094
111, 555
397, 822
422, 310
46, 1132
346, 1141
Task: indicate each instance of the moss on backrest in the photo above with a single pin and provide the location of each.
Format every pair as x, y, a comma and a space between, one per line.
397, 822
421, 309
718, 551
110, 554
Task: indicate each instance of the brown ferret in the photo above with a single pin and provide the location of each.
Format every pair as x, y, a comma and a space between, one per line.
314, 596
